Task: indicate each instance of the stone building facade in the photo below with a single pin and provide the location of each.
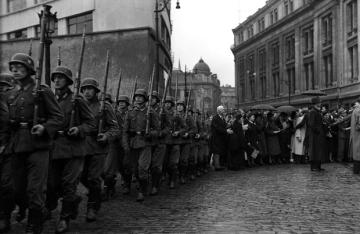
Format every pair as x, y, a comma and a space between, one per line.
290, 46
204, 85
228, 97
127, 28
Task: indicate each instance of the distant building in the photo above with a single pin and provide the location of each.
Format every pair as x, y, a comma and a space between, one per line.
205, 87
228, 97
127, 28
290, 46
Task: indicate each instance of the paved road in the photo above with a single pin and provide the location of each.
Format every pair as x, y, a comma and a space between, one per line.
271, 199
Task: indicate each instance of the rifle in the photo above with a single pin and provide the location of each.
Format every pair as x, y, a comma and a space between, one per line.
133, 92
59, 58
163, 100
77, 81
147, 129
118, 92
103, 95
187, 102
39, 68
176, 91
30, 48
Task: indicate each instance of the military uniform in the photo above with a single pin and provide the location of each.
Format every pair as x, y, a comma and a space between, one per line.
95, 151
194, 149
6, 184
138, 143
173, 139
68, 151
117, 158
30, 153
159, 146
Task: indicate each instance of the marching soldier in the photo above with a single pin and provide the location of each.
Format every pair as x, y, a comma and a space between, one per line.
116, 162
184, 142
198, 142
138, 142
30, 140
68, 151
193, 141
6, 186
173, 140
96, 146
159, 146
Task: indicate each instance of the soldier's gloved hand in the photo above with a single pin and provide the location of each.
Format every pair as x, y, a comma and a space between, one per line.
74, 131
2, 148
197, 136
186, 135
175, 134
102, 138
38, 130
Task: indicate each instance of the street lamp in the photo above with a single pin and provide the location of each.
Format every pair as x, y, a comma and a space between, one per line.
157, 11
49, 28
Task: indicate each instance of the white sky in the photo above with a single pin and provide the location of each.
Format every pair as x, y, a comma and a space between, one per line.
203, 28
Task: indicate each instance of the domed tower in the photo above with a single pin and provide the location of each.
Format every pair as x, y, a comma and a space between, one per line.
202, 68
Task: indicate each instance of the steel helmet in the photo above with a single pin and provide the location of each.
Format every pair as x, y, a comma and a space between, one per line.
90, 82
63, 71
25, 60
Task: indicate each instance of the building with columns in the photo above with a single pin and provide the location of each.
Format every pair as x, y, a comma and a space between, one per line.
290, 46
204, 85
127, 28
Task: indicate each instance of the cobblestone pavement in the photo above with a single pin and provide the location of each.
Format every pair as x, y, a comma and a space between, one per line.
270, 199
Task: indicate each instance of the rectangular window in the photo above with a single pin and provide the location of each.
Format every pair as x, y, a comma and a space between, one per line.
275, 54
77, 23
308, 40
291, 6
242, 92
290, 72
351, 17
262, 72
276, 83
328, 70
252, 87
241, 36
276, 16
261, 24
327, 30
354, 69
309, 76
290, 48
15, 5
18, 34
286, 7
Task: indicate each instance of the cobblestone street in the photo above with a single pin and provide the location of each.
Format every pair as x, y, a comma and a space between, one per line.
271, 199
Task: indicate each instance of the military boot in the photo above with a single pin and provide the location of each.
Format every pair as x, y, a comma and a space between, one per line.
35, 222
142, 190
66, 212
155, 184
5, 225
172, 179
75, 208
20, 216
91, 212
127, 184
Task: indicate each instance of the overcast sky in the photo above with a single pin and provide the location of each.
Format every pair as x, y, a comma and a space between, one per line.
203, 28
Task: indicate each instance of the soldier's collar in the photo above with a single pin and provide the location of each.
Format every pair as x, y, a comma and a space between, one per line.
26, 83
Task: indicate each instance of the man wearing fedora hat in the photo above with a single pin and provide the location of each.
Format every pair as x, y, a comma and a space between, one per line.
68, 151
316, 135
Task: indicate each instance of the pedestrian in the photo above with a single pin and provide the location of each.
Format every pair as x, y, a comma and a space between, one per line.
138, 142
67, 155
272, 139
316, 136
219, 137
298, 147
31, 141
355, 137
6, 183
96, 144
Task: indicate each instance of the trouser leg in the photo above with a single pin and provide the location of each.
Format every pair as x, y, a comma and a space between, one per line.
6, 191
157, 160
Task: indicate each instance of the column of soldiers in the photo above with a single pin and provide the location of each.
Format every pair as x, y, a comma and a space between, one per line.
79, 138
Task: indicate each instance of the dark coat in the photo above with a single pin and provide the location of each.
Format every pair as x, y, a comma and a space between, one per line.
316, 136
219, 136
21, 102
272, 138
65, 146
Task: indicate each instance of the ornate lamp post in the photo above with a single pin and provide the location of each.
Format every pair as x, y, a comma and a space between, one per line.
157, 11
49, 28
